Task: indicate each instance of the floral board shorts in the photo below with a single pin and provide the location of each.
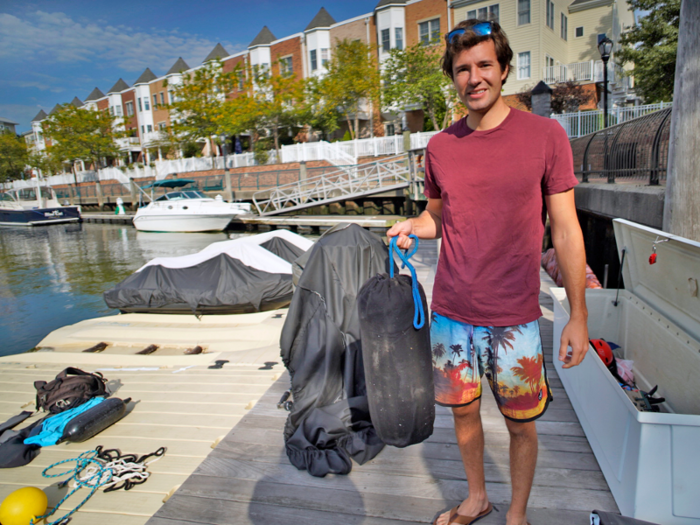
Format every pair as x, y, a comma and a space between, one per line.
510, 356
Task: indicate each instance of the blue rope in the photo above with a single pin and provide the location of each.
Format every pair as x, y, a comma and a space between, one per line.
419, 313
101, 477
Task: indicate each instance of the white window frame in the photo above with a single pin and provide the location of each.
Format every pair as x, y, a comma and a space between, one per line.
129, 108
286, 65
146, 104
162, 98
583, 32
522, 67
490, 9
386, 40
521, 12
549, 21
432, 31
325, 56
398, 38
313, 60
564, 31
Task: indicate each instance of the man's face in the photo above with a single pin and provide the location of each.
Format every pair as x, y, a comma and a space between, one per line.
478, 76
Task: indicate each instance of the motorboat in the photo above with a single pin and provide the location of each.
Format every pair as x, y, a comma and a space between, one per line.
34, 206
186, 210
243, 275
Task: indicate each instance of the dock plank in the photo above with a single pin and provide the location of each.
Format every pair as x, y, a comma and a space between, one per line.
249, 476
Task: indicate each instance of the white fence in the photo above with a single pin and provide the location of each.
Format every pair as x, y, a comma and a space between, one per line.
337, 153
582, 123
589, 71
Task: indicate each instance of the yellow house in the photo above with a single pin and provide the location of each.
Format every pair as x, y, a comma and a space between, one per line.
556, 40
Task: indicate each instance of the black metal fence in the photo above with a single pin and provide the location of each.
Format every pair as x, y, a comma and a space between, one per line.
636, 150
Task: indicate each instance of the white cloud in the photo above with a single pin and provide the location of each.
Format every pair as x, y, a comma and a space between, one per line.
56, 37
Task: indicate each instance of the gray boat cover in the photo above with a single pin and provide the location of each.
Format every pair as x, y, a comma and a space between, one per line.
238, 276
329, 422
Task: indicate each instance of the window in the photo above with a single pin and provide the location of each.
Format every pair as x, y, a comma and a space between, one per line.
162, 98
325, 56
162, 126
390, 130
111, 110
118, 111
523, 12
155, 101
142, 130
140, 108
549, 73
398, 33
314, 63
149, 128
564, 27
524, 65
241, 80
494, 13
482, 13
471, 14
129, 109
145, 104
286, 67
386, 40
429, 32
579, 32
550, 14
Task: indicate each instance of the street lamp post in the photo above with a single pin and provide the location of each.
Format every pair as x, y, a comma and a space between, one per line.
227, 175
605, 48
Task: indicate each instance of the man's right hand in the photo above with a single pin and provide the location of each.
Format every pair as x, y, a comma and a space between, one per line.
402, 229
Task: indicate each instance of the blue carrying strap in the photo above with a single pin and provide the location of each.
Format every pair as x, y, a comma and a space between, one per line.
419, 313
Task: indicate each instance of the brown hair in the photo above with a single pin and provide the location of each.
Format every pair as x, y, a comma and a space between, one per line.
469, 39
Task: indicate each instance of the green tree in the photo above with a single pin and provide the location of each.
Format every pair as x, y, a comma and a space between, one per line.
198, 103
651, 47
322, 114
13, 156
82, 134
566, 97
351, 81
413, 76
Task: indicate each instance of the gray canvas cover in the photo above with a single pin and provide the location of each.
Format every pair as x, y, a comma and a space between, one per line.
219, 285
329, 422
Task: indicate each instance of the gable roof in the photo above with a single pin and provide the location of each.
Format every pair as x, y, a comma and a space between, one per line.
322, 19
55, 109
118, 87
384, 3
145, 77
76, 102
265, 37
217, 52
94, 95
40, 116
178, 67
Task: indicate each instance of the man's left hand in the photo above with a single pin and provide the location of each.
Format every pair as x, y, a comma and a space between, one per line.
574, 335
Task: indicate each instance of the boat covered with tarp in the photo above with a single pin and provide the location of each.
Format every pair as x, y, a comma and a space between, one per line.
227, 277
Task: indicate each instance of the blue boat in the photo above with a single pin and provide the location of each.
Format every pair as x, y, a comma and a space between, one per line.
33, 207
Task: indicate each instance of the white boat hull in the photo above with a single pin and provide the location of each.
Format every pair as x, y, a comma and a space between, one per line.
182, 223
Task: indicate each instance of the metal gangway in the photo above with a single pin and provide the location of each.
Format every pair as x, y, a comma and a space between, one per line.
389, 174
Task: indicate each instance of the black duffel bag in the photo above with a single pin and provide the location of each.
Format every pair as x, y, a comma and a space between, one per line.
397, 356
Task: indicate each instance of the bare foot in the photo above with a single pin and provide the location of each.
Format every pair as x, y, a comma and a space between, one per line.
472, 506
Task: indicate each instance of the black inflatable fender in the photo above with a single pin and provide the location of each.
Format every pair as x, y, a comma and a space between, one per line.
94, 420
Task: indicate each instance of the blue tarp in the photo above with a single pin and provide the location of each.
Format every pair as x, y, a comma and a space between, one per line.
52, 428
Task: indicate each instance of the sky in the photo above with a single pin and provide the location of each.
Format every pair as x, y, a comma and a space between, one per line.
53, 50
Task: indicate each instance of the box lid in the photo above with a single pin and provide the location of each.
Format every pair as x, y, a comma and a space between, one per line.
670, 285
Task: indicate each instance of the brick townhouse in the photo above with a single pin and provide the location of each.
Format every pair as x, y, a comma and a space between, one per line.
553, 41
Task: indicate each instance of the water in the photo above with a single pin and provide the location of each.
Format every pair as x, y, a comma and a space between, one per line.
52, 276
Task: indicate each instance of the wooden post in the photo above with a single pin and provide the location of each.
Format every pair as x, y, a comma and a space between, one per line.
682, 204
134, 194
99, 195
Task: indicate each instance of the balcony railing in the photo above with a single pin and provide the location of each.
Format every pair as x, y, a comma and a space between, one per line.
590, 71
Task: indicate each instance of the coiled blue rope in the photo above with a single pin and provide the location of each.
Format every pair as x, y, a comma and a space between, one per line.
419, 313
102, 476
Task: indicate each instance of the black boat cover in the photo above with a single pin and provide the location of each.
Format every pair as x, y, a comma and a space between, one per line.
329, 421
238, 276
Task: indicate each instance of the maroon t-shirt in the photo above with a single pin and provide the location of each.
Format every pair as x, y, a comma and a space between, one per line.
492, 185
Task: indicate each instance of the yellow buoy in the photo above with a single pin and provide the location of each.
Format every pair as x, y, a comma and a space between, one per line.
23, 505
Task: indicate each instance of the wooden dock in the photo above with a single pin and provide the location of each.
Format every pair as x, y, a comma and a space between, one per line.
247, 478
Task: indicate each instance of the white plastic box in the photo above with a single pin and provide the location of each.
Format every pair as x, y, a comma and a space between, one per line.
650, 460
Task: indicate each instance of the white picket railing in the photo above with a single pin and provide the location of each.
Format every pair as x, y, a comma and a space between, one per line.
582, 123
337, 153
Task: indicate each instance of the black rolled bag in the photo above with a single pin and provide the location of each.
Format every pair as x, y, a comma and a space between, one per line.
397, 359
329, 422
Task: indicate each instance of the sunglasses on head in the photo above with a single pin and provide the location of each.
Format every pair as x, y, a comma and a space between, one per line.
480, 29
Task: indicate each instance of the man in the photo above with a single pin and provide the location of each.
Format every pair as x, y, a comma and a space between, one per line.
488, 179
